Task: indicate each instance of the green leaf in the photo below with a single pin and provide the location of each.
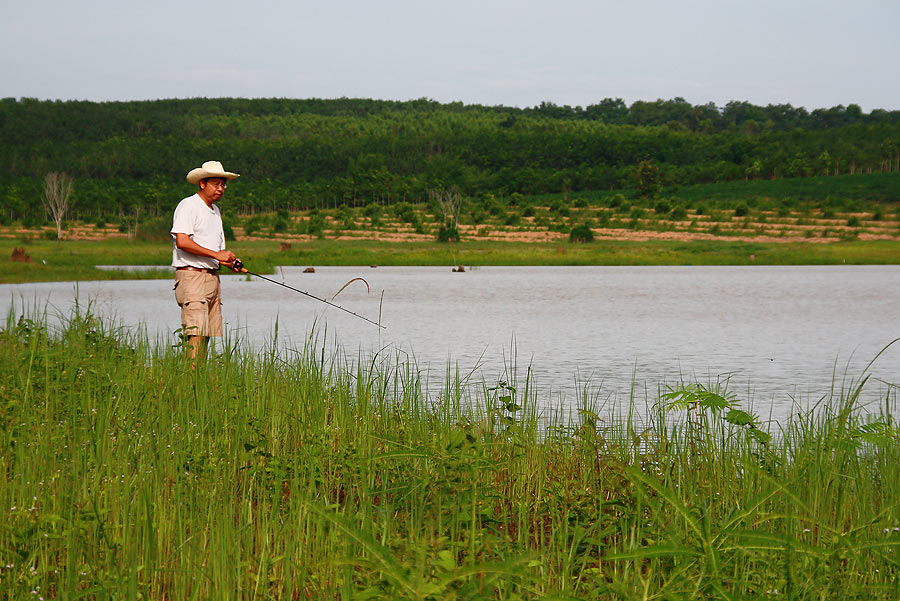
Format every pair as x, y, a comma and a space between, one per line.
759, 435
654, 551
739, 417
445, 560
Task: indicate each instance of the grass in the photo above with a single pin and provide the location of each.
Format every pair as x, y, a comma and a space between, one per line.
75, 259
127, 475
852, 219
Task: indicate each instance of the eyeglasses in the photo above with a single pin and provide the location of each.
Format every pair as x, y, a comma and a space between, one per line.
222, 185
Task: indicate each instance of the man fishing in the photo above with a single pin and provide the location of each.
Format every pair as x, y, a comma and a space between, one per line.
197, 253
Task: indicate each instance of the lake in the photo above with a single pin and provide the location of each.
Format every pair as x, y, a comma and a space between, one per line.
780, 336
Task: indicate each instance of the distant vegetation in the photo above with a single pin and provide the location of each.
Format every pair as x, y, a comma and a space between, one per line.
129, 158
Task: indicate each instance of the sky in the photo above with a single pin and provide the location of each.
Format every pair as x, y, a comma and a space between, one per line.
813, 54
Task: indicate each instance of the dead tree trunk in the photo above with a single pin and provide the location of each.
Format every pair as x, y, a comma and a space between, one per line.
56, 197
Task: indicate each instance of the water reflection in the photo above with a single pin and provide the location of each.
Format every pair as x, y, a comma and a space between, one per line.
778, 334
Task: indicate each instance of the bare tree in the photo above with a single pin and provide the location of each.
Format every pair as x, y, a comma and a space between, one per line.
57, 192
449, 202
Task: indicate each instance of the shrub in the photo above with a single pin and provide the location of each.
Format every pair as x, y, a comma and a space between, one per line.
448, 233
100, 223
154, 229
252, 226
559, 208
373, 212
662, 207
741, 210
513, 219
581, 233
637, 213
528, 211
853, 221
228, 231
405, 212
580, 203
315, 226
280, 225
617, 200
679, 214
345, 217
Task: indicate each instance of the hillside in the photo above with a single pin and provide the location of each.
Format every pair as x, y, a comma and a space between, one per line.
129, 158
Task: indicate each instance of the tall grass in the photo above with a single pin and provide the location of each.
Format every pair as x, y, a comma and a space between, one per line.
125, 474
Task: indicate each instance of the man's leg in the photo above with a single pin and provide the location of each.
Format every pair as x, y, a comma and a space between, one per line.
196, 347
191, 296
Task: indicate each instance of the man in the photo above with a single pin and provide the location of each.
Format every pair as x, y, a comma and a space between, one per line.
199, 249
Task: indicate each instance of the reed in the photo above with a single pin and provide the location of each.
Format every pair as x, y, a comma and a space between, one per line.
125, 474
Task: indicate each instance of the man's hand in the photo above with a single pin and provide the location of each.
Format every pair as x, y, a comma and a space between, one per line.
225, 257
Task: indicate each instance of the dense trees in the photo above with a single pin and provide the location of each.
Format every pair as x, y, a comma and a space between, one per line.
129, 156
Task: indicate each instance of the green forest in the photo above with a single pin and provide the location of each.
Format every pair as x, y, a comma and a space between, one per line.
131, 157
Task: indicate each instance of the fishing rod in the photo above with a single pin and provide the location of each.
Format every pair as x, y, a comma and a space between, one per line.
239, 267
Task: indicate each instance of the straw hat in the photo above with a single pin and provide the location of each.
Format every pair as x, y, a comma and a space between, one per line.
209, 169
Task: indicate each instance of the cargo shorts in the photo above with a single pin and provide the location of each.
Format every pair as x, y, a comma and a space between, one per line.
198, 295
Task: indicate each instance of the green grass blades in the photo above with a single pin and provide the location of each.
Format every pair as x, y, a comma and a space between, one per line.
125, 474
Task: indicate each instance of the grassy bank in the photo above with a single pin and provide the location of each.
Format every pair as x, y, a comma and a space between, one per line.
75, 259
127, 475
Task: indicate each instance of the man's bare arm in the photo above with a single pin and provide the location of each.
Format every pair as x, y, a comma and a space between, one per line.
186, 243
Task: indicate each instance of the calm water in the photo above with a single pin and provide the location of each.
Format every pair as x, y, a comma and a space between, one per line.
778, 334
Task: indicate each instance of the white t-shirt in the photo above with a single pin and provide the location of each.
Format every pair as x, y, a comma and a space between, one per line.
204, 225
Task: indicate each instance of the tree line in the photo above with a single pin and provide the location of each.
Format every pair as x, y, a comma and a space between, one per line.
298, 154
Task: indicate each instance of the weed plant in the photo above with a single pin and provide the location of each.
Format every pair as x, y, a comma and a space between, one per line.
125, 474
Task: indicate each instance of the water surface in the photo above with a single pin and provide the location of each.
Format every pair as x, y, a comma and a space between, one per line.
779, 335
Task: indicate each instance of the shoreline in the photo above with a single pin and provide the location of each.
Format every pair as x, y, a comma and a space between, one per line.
77, 260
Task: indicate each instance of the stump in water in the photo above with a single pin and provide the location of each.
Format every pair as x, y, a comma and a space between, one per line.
459, 269
309, 270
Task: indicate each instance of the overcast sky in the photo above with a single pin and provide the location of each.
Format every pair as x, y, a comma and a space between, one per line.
808, 53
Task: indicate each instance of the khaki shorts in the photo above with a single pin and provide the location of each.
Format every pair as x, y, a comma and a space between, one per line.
197, 293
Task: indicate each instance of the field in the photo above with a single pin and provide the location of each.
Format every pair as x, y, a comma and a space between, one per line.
833, 220
127, 475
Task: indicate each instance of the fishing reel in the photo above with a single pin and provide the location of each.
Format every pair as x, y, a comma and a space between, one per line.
237, 265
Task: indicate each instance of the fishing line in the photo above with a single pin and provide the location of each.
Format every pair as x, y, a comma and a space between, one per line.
239, 267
